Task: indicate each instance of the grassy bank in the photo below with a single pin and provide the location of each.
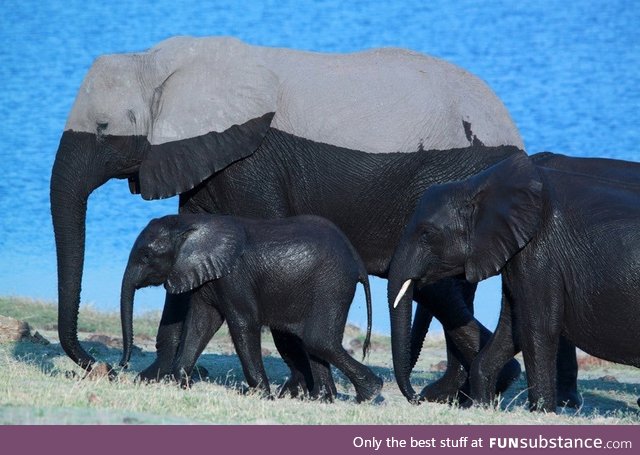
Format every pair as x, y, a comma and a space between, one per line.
39, 384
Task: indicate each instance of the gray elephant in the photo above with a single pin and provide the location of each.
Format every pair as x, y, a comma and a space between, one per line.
269, 133
563, 233
295, 275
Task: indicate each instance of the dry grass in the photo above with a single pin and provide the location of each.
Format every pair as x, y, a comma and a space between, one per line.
39, 384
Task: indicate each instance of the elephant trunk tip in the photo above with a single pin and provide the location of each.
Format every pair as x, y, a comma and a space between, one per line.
124, 361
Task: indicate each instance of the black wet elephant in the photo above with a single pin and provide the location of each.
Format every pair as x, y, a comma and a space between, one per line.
295, 275
565, 235
269, 133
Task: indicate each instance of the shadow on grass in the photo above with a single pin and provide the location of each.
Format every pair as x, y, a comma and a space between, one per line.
221, 369
226, 370
601, 397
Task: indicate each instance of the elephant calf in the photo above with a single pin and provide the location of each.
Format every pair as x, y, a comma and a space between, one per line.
295, 275
565, 234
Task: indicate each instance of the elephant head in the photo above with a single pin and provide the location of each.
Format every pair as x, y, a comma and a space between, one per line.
166, 119
469, 228
182, 252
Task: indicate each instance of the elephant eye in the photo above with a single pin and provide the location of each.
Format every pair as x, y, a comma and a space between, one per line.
428, 232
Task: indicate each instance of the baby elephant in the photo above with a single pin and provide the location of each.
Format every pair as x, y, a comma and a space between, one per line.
565, 234
295, 275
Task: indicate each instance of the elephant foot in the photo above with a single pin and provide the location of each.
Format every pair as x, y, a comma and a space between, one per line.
324, 390
569, 398
324, 395
200, 373
452, 386
509, 374
186, 380
293, 387
260, 392
154, 372
371, 391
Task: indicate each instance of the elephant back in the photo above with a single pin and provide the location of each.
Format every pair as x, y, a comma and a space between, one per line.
386, 100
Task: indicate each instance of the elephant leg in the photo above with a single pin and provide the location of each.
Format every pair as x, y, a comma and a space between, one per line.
294, 355
451, 301
539, 321
419, 330
324, 388
539, 353
446, 388
309, 374
567, 375
487, 365
452, 385
203, 320
246, 339
168, 338
366, 383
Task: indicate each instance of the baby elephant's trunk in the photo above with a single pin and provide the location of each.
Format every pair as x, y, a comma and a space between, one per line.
126, 316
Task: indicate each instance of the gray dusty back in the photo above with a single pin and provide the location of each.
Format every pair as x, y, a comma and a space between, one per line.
382, 100
385, 100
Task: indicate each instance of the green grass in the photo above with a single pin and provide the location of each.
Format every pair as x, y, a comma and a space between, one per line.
44, 316
40, 385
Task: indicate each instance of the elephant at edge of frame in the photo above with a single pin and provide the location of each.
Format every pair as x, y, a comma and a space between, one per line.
267, 133
295, 275
563, 233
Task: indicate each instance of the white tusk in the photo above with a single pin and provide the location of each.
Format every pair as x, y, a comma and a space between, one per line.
403, 289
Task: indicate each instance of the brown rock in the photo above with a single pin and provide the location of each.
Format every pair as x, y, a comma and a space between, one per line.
100, 370
13, 330
106, 340
608, 378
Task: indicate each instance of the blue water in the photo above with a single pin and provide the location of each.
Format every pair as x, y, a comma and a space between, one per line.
569, 72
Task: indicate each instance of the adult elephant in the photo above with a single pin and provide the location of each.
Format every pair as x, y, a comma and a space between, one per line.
266, 132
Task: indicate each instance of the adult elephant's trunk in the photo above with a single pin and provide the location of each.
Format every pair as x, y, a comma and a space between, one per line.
406, 267
400, 334
400, 296
126, 313
73, 179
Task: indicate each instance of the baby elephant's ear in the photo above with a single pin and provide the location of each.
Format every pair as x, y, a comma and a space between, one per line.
506, 212
209, 251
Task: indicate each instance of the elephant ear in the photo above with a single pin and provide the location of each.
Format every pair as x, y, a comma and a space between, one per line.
505, 213
214, 108
209, 251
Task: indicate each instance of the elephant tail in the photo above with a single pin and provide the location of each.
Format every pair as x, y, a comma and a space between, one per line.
364, 279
